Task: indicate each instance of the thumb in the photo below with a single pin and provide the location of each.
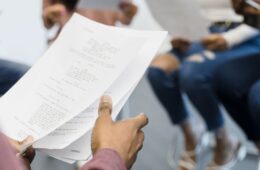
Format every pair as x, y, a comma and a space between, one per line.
27, 140
105, 109
140, 121
28, 151
25, 144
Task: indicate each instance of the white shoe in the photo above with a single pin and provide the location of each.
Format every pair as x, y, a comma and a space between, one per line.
240, 155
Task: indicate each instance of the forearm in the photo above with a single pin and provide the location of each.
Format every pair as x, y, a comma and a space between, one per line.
105, 159
240, 34
8, 160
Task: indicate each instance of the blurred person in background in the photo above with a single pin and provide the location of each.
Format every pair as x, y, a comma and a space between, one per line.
10, 73
58, 12
190, 66
237, 83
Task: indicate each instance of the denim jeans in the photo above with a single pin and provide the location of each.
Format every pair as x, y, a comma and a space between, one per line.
10, 73
237, 84
195, 79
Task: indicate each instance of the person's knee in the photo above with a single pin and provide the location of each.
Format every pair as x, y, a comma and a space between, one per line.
196, 58
166, 62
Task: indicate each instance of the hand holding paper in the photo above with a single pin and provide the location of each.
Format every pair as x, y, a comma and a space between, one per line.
56, 101
125, 137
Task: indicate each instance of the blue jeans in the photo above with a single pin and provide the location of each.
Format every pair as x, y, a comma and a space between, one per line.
167, 89
195, 79
10, 73
237, 84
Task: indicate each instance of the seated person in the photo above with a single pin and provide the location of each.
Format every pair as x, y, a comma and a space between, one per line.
237, 83
115, 145
189, 67
59, 12
10, 73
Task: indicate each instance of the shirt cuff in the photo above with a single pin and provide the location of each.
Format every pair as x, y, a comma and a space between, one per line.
105, 159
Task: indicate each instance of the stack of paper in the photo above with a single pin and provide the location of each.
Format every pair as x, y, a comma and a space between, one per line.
182, 18
56, 101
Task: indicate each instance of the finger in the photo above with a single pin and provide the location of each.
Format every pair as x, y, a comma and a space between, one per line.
27, 140
140, 140
25, 144
140, 121
29, 152
105, 109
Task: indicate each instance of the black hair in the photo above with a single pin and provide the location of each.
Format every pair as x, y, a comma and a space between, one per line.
69, 4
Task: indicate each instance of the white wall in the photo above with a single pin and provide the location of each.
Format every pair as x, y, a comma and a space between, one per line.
22, 37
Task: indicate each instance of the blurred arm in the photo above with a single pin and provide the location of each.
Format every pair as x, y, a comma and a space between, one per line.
8, 160
240, 34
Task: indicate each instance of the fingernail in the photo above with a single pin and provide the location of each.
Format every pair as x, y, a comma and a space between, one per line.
106, 98
144, 116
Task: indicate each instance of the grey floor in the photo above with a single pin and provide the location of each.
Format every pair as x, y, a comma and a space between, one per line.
159, 137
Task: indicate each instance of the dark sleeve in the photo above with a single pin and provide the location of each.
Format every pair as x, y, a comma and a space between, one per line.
8, 160
105, 159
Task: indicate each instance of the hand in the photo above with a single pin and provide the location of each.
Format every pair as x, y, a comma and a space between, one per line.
215, 42
26, 158
129, 11
180, 44
55, 14
125, 137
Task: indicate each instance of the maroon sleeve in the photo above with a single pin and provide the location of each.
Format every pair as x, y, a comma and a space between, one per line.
105, 159
8, 160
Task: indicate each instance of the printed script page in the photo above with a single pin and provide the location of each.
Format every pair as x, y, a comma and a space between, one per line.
77, 69
129, 78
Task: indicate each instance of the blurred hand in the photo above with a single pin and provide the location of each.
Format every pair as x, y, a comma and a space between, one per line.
55, 14
215, 42
180, 44
125, 137
27, 157
129, 11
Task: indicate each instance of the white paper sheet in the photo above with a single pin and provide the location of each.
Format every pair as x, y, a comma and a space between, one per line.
78, 126
81, 149
181, 18
74, 73
132, 75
